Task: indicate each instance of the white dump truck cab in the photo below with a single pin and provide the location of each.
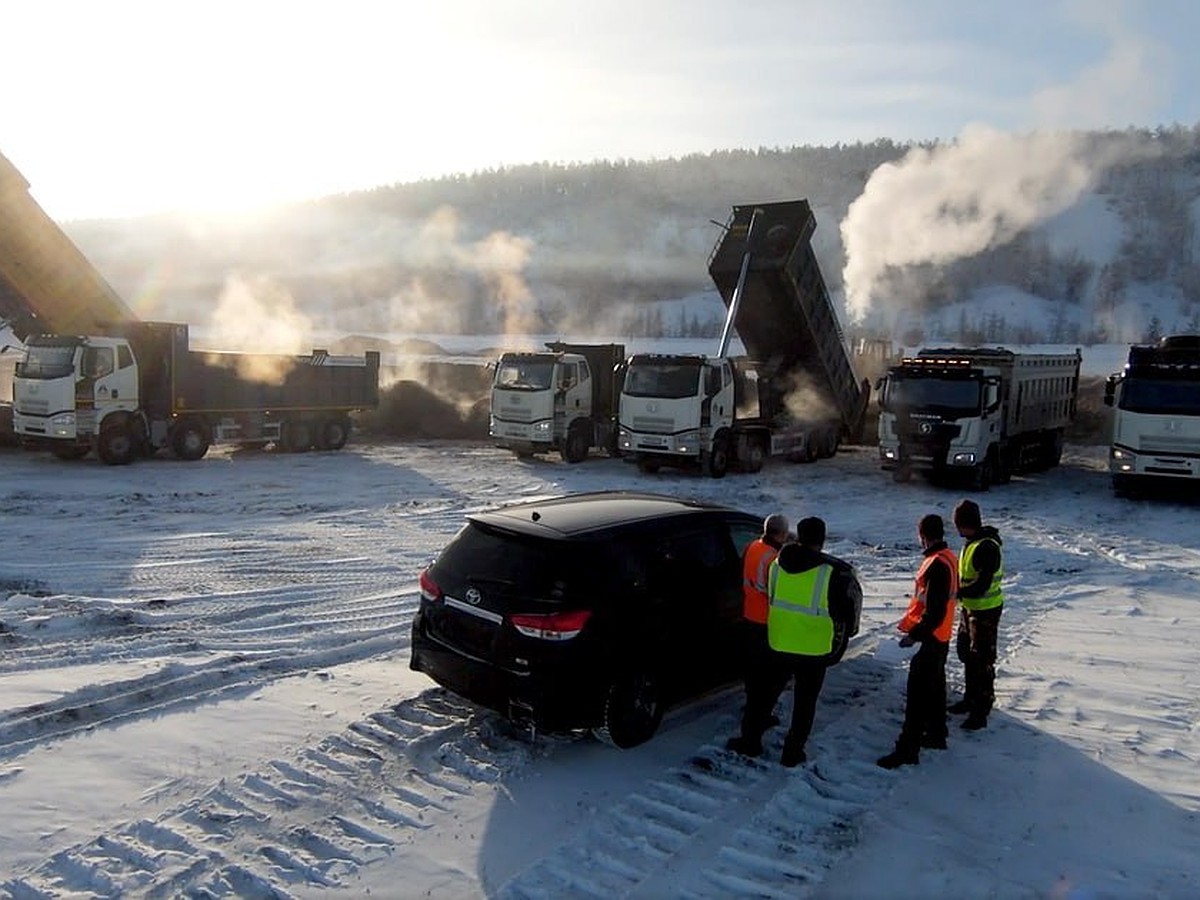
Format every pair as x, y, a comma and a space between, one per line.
1156, 415
67, 388
542, 402
676, 408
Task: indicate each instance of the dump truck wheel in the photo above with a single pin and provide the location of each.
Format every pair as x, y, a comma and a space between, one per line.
575, 450
296, 436
755, 456
189, 440
116, 445
981, 477
717, 462
333, 434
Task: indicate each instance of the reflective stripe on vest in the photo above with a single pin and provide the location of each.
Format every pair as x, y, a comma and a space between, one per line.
916, 605
798, 617
759, 556
994, 596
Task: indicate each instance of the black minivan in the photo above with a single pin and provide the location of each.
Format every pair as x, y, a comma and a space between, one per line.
587, 611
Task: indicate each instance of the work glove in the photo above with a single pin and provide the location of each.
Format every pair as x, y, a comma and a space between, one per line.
907, 640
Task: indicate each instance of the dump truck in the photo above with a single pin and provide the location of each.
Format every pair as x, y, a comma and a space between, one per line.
146, 390
1156, 416
95, 377
795, 394
561, 399
976, 414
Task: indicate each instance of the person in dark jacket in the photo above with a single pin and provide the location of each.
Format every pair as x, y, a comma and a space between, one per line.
929, 621
981, 599
815, 601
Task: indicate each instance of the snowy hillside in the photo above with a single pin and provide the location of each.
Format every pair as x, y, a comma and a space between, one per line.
204, 691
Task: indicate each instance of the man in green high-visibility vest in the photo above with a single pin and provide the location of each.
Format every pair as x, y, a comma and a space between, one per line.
814, 601
981, 602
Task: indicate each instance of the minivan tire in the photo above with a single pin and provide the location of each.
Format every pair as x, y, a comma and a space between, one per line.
633, 710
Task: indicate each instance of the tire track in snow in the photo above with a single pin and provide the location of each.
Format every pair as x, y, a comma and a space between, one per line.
303, 823
243, 666
718, 824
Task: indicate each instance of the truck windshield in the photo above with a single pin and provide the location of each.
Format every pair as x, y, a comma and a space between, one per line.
949, 397
47, 361
660, 379
1162, 397
525, 374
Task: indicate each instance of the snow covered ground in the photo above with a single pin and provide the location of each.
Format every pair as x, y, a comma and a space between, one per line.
204, 691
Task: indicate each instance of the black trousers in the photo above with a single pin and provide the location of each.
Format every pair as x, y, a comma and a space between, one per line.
978, 634
766, 677
925, 703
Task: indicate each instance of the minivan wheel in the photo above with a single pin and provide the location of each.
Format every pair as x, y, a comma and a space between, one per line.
633, 710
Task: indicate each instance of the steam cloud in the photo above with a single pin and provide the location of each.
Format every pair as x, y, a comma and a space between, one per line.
256, 317
980, 191
498, 260
951, 201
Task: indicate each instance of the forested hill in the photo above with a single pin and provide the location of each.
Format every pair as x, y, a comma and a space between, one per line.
1091, 225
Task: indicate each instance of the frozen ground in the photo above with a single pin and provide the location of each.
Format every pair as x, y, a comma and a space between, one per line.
204, 691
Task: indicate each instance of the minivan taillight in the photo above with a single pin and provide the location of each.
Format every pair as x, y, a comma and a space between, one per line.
429, 588
560, 626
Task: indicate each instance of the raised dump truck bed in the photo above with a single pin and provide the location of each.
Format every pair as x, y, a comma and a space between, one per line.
47, 285
785, 317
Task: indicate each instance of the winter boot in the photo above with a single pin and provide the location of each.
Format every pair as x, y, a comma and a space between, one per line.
974, 722
899, 757
958, 708
792, 756
745, 746
930, 742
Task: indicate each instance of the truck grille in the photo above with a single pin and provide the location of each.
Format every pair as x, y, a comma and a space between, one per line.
653, 424
516, 414
1167, 445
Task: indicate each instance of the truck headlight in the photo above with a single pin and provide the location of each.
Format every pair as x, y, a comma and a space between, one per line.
63, 420
541, 429
963, 459
624, 440
888, 453
1122, 460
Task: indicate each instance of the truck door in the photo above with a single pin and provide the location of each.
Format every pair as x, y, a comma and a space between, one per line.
711, 402
566, 387
107, 382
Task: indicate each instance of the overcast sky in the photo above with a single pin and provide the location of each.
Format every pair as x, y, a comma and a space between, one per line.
121, 107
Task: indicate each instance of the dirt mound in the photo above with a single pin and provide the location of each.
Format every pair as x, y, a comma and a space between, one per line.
410, 409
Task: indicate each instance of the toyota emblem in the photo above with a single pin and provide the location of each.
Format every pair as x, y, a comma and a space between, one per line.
473, 596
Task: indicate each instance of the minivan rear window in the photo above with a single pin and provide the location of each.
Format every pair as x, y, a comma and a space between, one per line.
516, 566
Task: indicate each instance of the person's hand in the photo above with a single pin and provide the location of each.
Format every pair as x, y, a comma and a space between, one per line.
907, 641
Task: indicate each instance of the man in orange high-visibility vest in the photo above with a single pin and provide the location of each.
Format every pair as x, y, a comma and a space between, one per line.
929, 621
756, 563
